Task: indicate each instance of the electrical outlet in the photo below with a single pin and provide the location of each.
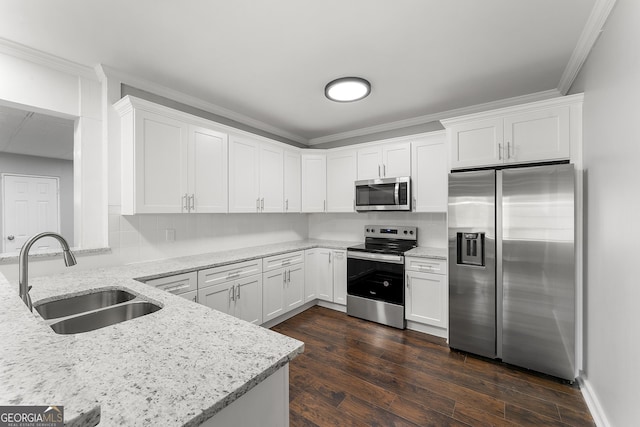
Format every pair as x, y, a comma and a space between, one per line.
170, 235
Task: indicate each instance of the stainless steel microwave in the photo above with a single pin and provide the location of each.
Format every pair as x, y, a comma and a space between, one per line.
385, 194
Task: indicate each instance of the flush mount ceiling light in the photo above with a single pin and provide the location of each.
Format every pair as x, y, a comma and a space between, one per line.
347, 89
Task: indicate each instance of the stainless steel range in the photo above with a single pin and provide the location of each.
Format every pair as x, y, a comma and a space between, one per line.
375, 274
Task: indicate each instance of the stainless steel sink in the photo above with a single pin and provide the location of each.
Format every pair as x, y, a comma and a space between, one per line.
83, 303
83, 313
105, 317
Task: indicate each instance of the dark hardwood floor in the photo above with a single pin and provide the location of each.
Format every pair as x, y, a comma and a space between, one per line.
358, 373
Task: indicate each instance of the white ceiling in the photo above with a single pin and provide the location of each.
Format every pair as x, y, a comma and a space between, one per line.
35, 134
269, 60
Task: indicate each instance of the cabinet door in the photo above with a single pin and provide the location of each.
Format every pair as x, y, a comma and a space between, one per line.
160, 164
370, 163
311, 265
244, 169
219, 297
325, 274
314, 182
207, 170
271, 178
537, 135
426, 300
340, 277
429, 174
396, 160
248, 299
341, 174
477, 143
273, 285
294, 292
292, 182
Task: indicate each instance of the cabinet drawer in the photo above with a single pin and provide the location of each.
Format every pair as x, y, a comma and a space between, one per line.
177, 284
278, 261
217, 275
426, 265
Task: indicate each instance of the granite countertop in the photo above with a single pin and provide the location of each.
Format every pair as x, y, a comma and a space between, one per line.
427, 252
177, 366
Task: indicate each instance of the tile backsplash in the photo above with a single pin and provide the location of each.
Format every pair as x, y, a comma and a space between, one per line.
157, 236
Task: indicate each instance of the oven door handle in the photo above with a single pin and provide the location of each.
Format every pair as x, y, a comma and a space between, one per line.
394, 259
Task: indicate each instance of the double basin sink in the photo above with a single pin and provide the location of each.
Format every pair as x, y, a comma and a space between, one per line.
88, 312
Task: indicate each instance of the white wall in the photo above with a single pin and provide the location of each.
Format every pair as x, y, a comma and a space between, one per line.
610, 80
35, 81
63, 169
432, 227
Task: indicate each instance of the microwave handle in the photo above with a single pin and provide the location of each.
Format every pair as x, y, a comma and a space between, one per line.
396, 194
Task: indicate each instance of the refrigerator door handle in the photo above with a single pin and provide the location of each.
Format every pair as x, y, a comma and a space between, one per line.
499, 282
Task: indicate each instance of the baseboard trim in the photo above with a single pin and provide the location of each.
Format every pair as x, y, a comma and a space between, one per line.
594, 405
332, 306
288, 315
428, 329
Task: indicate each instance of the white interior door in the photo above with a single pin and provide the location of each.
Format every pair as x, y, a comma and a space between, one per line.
29, 207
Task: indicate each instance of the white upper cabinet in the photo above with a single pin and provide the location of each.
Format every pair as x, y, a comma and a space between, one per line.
169, 165
429, 173
207, 154
396, 160
341, 175
256, 176
537, 135
314, 182
244, 174
540, 131
292, 181
384, 161
271, 178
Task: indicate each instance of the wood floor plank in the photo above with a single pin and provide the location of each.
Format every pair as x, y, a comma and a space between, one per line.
355, 372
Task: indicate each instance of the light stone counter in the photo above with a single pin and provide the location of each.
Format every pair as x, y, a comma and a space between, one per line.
426, 252
178, 366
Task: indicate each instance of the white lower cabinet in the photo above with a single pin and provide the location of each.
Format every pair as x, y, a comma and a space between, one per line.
340, 277
326, 275
427, 296
235, 289
283, 284
183, 285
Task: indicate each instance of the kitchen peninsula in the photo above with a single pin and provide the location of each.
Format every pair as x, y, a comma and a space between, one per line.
183, 365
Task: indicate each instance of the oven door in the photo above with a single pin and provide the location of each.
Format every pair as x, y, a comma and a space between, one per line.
375, 276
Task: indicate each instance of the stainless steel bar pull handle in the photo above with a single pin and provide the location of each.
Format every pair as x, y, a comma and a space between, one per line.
508, 150
262, 204
232, 295
499, 151
185, 203
237, 292
384, 170
286, 205
258, 204
192, 202
379, 176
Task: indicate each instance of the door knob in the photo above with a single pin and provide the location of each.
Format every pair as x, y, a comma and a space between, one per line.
10, 237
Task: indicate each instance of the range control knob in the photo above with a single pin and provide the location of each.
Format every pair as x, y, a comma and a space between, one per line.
411, 232
367, 230
373, 230
405, 231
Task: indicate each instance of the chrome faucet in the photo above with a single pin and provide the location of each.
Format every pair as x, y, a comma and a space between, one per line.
23, 276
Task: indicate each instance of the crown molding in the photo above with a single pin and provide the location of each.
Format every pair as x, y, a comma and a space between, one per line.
42, 58
590, 33
196, 102
508, 102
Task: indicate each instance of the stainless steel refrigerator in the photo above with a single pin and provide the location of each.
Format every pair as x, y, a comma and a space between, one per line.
512, 266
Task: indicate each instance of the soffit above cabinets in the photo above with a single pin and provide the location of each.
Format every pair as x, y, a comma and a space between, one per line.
267, 62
